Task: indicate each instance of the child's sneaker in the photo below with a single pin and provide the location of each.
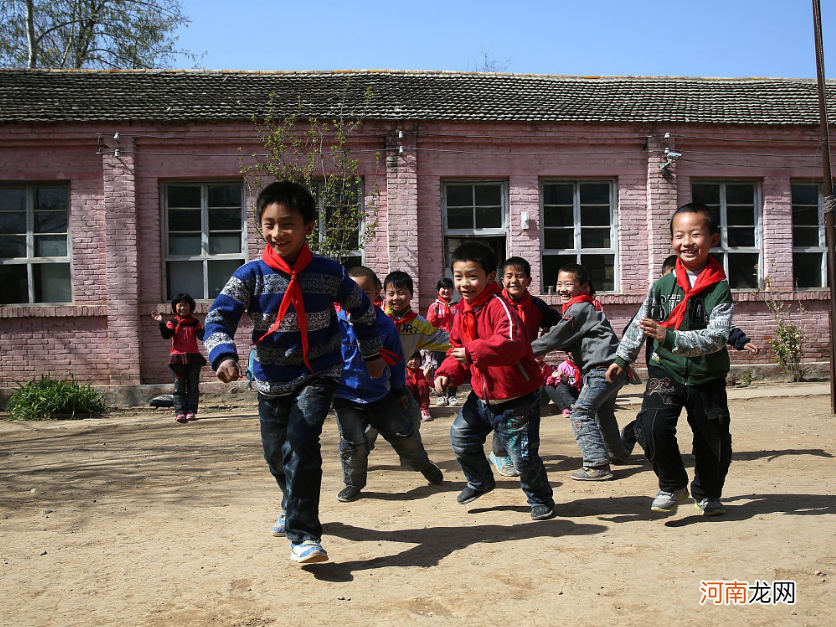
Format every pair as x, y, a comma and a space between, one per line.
425, 415
181, 418
504, 465
589, 473
566, 412
452, 401
542, 512
348, 494
468, 495
433, 474
307, 552
190, 416
278, 529
442, 401
667, 502
710, 507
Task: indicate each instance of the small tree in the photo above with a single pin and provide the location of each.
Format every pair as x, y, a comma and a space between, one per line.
317, 153
788, 344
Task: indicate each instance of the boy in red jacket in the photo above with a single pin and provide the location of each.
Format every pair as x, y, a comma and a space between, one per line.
489, 342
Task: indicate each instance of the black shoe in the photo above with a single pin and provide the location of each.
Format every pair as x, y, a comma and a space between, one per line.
542, 512
468, 495
628, 438
348, 494
433, 474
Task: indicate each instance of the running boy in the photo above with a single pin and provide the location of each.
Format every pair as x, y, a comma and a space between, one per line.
688, 313
489, 342
289, 294
361, 400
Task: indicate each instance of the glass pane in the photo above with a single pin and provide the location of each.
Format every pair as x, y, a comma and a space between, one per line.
595, 238
558, 216
743, 216
184, 196
559, 239
705, 193
806, 270
459, 218
224, 195
496, 244
183, 245
595, 194
743, 270
224, 219
224, 244
489, 217
741, 237
11, 247
52, 283
459, 195
185, 276
595, 216
50, 246
184, 220
51, 198
551, 266
558, 194
12, 199
601, 270
13, 222
15, 285
805, 236
352, 262
488, 195
740, 194
805, 194
50, 222
219, 273
805, 215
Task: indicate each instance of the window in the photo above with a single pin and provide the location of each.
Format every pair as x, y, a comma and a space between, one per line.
577, 227
736, 209
338, 221
204, 237
809, 251
475, 212
34, 244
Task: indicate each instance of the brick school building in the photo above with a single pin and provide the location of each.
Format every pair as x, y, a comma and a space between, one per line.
119, 189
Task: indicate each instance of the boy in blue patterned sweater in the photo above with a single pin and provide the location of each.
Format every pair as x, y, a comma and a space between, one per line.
289, 294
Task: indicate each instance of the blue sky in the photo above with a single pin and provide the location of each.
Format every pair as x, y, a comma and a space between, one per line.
570, 37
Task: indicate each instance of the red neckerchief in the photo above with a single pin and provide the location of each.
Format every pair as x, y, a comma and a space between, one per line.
583, 298
188, 320
409, 315
293, 295
520, 305
711, 274
469, 330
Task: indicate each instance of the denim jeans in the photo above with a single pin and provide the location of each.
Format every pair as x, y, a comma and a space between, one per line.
518, 424
186, 393
561, 395
413, 414
290, 430
593, 419
389, 420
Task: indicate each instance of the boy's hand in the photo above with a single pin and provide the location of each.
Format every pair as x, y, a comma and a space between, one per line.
653, 329
376, 367
440, 383
459, 354
229, 371
752, 348
613, 372
156, 316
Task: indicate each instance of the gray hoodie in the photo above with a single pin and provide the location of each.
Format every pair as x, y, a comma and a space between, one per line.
586, 333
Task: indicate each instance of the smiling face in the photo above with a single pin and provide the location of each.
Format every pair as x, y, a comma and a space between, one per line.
445, 293
692, 240
471, 279
568, 286
284, 230
398, 298
413, 363
515, 280
183, 309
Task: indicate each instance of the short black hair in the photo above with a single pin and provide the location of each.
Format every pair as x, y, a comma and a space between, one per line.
444, 282
398, 278
517, 262
477, 253
182, 298
695, 207
415, 355
581, 274
669, 263
292, 195
363, 271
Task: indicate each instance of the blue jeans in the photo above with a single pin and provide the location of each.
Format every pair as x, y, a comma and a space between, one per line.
517, 423
186, 393
593, 419
290, 430
389, 420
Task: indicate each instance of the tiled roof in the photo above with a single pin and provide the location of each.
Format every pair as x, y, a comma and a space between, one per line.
193, 95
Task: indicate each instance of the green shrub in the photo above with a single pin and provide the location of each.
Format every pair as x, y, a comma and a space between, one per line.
48, 398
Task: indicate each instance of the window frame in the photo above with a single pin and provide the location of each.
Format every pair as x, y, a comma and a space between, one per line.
31, 260
821, 249
578, 251
204, 257
473, 233
322, 218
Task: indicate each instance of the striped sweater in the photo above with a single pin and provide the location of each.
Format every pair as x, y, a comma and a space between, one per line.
279, 367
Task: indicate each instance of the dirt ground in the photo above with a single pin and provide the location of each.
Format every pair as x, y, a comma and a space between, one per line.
134, 520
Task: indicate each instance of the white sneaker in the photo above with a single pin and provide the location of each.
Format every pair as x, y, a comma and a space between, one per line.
442, 401
307, 552
452, 400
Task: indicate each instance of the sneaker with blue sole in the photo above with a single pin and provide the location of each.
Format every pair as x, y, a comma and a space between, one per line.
307, 552
278, 529
504, 465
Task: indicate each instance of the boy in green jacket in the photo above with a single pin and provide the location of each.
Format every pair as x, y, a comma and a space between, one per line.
688, 313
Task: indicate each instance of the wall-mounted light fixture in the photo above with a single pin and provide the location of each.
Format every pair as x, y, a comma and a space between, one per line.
524, 220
